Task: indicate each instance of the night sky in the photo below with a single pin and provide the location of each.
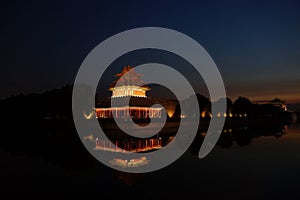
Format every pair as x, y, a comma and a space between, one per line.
255, 44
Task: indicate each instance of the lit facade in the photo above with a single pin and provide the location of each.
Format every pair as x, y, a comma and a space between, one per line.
128, 112
124, 91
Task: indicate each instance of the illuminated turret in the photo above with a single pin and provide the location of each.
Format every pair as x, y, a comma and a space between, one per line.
129, 84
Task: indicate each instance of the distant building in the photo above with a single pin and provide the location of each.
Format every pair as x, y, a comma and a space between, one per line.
276, 103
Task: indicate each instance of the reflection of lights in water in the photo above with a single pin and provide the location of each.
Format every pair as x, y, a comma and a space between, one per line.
141, 145
285, 128
88, 116
227, 130
129, 163
89, 137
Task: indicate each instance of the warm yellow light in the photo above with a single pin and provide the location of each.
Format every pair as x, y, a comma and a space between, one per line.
130, 163
284, 107
170, 113
89, 137
135, 91
88, 116
203, 114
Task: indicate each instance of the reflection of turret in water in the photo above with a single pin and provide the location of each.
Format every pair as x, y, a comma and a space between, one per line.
138, 145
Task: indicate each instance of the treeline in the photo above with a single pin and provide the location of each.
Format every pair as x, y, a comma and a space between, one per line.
56, 104
242, 106
27, 132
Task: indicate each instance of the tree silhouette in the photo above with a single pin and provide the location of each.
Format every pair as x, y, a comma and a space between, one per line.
228, 104
242, 106
277, 101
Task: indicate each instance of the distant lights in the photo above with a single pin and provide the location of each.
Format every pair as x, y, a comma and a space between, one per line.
225, 115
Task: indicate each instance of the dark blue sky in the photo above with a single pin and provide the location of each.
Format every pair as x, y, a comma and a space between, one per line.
255, 44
